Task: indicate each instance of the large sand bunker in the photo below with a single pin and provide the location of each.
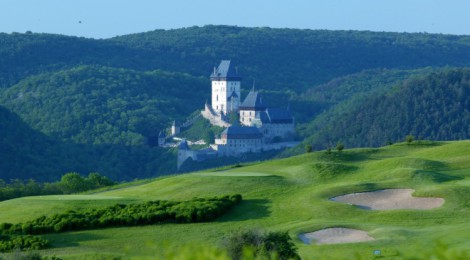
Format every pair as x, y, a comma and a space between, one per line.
389, 199
335, 236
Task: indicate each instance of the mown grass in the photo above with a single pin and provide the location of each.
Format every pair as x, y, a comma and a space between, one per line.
288, 195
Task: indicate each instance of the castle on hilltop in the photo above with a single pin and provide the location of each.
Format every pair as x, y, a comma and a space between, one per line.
260, 127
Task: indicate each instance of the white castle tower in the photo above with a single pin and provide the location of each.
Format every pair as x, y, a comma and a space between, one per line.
225, 88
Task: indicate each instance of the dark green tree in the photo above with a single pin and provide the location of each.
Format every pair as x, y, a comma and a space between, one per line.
73, 182
409, 138
339, 146
95, 180
308, 148
209, 136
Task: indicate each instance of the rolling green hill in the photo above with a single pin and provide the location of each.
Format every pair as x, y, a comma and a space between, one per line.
28, 153
101, 105
291, 59
288, 195
115, 95
432, 105
19, 144
305, 57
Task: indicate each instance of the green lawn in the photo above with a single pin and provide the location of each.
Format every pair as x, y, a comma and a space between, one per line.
290, 195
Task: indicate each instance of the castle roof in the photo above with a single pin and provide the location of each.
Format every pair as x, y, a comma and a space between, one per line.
225, 71
233, 95
241, 132
253, 101
183, 145
276, 116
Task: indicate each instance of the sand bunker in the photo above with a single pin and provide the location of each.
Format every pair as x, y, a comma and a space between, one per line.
389, 199
335, 236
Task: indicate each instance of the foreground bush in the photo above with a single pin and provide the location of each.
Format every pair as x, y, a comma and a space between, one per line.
258, 245
18, 242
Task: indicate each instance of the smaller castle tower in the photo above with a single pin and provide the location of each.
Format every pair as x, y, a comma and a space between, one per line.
251, 108
184, 152
175, 129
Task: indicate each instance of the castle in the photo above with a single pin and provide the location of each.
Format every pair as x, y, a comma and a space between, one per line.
260, 127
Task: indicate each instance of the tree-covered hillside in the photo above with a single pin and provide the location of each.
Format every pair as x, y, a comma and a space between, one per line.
19, 144
27, 153
103, 102
101, 105
435, 106
297, 59
277, 58
340, 94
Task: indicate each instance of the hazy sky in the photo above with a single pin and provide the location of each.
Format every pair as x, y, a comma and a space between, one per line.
108, 18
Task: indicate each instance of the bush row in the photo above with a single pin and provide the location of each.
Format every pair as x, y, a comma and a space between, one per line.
152, 212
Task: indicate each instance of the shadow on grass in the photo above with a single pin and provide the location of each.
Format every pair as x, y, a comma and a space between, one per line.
349, 156
247, 210
421, 143
435, 177
71, 239
343, 190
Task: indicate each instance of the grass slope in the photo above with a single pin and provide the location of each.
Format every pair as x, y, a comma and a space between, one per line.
289, 195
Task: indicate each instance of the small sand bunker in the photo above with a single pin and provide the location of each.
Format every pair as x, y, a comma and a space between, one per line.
389, 199
335, 236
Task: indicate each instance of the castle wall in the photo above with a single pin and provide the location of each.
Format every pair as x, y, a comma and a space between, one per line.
183, 155
270, 131
248, 116
234, 147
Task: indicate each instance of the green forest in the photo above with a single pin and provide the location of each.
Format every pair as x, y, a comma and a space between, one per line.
70, 104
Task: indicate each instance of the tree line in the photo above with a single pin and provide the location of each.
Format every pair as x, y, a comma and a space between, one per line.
69, 183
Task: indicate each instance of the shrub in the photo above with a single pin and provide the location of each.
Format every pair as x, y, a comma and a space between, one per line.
308, 148
339, 146
409, 139
272, 245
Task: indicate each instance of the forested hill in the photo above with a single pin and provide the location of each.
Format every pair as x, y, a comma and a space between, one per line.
101, 105
433, 106
277, 58
98, 105
27, 153
296, 59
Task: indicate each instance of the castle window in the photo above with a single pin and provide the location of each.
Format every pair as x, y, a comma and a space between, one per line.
217, 98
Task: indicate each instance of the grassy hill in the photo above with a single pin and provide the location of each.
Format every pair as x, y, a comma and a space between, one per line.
288, 195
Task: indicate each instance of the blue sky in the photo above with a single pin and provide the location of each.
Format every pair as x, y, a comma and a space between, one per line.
108, 18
